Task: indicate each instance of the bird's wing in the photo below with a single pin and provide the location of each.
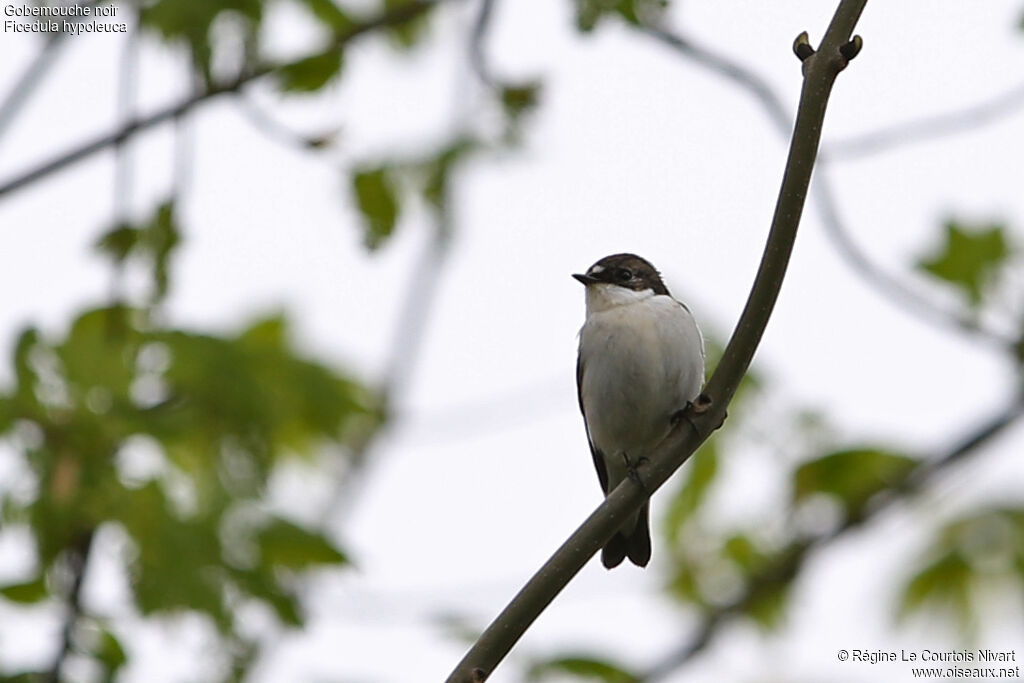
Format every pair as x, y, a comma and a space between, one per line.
602, 470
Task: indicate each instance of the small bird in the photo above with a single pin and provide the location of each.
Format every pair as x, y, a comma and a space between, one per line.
640, 362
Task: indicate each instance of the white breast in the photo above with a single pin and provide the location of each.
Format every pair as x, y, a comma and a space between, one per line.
643, 359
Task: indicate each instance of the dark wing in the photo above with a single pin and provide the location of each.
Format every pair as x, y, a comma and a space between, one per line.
602, 472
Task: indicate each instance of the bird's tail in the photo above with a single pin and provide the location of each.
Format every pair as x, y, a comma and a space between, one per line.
636, 545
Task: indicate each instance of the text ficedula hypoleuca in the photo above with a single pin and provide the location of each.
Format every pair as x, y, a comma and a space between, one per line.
641, 361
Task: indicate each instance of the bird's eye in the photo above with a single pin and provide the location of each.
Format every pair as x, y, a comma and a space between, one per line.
624, 275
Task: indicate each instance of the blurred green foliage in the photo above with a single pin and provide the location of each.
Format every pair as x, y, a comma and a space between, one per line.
971, 560
851, 477
583, 668
220, 411
970, 257
310, 74
636, 12
166, 438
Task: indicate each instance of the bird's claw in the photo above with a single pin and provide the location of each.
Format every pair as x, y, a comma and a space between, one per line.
695, 408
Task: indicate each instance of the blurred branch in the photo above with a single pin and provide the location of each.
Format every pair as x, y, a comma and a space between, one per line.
820, 70
732, 70
414, 313
892, 289
481, 27
927, 128
398, 15
789, 564
277, 131
33, 75
77, 564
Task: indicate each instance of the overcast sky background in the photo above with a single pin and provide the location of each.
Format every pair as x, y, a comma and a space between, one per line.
632, 149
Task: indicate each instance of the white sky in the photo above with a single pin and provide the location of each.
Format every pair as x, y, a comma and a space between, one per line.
632, 149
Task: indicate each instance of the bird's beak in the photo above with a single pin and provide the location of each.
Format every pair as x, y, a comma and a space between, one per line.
586, 279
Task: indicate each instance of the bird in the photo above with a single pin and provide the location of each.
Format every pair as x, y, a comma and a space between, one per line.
640, 362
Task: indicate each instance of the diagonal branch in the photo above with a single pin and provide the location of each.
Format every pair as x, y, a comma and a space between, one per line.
895, 291
820, 71
395, 16
927, 128
730, 69
788, 564
33, 75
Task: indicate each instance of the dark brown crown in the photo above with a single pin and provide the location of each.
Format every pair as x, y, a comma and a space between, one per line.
626, 270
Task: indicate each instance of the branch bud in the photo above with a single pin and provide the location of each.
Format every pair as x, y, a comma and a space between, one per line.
802, 47
852, 48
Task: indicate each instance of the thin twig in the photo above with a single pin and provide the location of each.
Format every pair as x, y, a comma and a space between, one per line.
926, 128
34, 74
276, 130
414, 314
392, 17
790, 563
730, 69
477, 38
77, 558
895, 291
820, 71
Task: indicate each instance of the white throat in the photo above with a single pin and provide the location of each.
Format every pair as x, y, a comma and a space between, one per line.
604, 296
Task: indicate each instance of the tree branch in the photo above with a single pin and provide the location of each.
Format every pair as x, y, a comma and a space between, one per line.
393, 17
732, 70
789, 563
820, 71
32, 76
893, 290
481, 26
926, 128
78, 563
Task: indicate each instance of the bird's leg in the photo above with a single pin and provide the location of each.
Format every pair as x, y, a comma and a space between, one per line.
693, 408
631, 468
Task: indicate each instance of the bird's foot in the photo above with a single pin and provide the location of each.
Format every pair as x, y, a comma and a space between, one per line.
694, 408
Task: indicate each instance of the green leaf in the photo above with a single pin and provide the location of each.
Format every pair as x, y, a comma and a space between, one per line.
162, 237
377, 198
27, 593
583, 667
852, 476
438, 169
982, 550
189, 21
310, 74
284, 544
178, 560
742, 550
154, 241
407, 34
637, 12
99, 353
519, 99
641, 12
329, 14
118, 242
944, 585
110, 652
969, 258
260, 583
768, 606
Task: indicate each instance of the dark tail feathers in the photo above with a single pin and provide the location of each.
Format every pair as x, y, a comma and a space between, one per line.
636, 546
